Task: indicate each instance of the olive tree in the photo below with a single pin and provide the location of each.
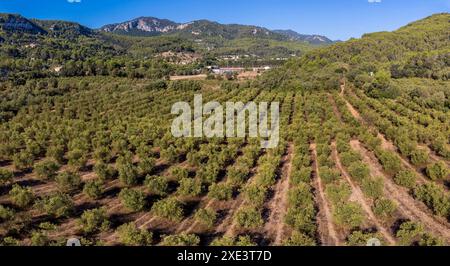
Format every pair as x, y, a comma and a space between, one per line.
94, 188
206, 217
248, 218
131, 235
94, 220
220, 191
5, 176
298, 239
133, 200
21, 196
157, 185
169, 208
46, 169
68, 181
406, 178
349, 215
437, 171
190, 187
57, 205
184, 240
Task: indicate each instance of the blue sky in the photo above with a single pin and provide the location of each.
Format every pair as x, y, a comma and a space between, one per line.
337, 19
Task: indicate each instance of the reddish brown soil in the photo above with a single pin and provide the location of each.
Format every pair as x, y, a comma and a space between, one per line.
327, 231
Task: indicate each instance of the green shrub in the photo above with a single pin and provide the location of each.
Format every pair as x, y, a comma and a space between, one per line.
347, 158
23, 160
360, 239
329, 175
390, 161
6, 213
56, 152
301, 195
77, 159
298, 239
349, 215
384, 208
434, 197
237, 175
428, 240
102, 154
39, 239
406, 178
157, 185
302, 175
169, 208
68, 181
146, 166
254, 194
58, 205
437, 171
301, 218
338, 193
9, 242
5, 176
179, 173
190, 187
104, 171
46, 169
93, 189
133, 200
373, 187
92, 221
409, 233
206, 217
249, 218
185, 240
419, 157
220, 191
226, 241
21, 196
128, 174
130, 235
359, 171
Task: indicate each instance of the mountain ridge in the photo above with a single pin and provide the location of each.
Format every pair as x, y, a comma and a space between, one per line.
310, 38
152, 26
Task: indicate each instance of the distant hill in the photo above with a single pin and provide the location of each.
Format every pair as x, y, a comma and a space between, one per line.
150, 26
64, 28
312, 39
17, 23
143, 26
421, 49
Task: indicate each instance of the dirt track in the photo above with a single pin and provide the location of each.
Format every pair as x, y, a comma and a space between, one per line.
327, 231
278, 205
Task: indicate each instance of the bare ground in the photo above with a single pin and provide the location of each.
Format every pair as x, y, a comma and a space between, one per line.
327, 231
278, 205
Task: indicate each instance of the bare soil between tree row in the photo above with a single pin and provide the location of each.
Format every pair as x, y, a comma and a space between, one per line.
388, 145
407, 205
361, 199
275, 226
327, 231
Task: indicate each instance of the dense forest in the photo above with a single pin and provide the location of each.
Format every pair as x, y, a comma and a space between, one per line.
420, 49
